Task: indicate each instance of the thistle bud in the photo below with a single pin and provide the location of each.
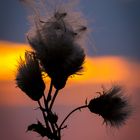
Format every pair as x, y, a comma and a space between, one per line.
29, 78
53, 118
112, 106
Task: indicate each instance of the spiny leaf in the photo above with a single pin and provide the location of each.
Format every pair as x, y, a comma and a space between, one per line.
40, 129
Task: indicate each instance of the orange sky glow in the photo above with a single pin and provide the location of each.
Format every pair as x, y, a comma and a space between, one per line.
97, 71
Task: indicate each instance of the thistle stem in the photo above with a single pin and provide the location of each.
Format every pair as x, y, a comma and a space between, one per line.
49, 93
46, 122
45, 102
78, 108
58, 131
53, 99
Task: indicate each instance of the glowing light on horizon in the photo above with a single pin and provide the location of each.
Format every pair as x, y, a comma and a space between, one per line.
9, 55
98, 69
104, 69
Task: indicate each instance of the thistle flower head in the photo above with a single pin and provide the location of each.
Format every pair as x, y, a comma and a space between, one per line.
112, 106
29, 78
55, 42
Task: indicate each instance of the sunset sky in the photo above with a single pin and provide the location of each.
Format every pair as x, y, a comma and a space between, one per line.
113, 56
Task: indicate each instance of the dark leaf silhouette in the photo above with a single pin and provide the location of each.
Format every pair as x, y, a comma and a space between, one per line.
40, 129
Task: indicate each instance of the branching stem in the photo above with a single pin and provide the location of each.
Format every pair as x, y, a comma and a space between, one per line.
53, 99
78, 108
49, 93
46, 122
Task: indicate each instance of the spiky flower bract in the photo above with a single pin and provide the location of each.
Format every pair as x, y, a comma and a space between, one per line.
112, 106
29, 77
55, 41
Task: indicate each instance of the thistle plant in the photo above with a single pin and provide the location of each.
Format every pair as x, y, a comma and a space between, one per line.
57, 51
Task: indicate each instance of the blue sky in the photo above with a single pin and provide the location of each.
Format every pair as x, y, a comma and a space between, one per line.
115, 25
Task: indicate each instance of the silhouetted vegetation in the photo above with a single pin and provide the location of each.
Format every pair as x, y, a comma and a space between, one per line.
55, 39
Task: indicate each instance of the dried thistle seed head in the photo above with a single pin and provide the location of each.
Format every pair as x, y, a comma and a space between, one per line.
55, 41
60, 60
29, 78
60, 65
112, 106
60, 56
59, 15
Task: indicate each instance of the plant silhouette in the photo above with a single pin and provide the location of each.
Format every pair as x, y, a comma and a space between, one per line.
57, 51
